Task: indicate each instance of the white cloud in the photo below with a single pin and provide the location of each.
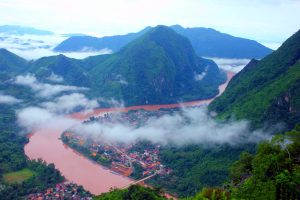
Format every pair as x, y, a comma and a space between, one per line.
44, 89
32, 118
191, 126
7, 99
232, 65
69, 103
32, 47
199, 77
174, 129
55, 78
272, 17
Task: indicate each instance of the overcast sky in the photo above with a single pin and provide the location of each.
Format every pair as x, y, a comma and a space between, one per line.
263, 20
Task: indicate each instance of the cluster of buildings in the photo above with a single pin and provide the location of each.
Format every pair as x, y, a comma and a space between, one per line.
61, 191
133, 117
122, 157
149, 161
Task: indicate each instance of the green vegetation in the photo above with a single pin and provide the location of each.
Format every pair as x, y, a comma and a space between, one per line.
18, 176
11, 63
195, 167
70, 69
159, 67
45, 176
207, 42
211, 193
266, 90
134, 192
273, 173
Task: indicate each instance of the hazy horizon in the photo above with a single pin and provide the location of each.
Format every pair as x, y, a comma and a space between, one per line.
120, 17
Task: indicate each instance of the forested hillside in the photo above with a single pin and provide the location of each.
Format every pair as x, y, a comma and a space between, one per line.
266, 90
19, 176
159, 67
206, 42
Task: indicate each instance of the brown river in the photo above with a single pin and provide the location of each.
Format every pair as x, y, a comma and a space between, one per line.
45, 144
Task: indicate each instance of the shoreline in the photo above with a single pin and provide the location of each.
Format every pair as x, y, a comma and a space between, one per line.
55, 135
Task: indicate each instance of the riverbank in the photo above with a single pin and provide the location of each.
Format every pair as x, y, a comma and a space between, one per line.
45, 144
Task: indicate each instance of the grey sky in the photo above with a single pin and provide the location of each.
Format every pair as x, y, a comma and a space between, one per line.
263, 20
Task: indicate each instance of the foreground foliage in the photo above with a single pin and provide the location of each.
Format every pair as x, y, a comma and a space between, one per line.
134, 192
28, 176
273, 173
195, 167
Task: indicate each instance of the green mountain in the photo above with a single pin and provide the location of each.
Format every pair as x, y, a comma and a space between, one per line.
206, 42
69, 69
266, 90
85, 42
209, 42
159, 67
11, 63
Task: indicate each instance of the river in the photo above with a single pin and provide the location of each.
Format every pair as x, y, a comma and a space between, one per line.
45, 144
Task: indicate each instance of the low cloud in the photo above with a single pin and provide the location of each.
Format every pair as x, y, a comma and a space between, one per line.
36, 53
44, 89
69, 103
7, 99
232, 65
111, 103
191, 126
55, 78
32, 47
34, 118
199, 77
187, 126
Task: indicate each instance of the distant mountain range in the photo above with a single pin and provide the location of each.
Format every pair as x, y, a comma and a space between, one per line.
90, 43
266, 90
158, 67
23, 30
207, 42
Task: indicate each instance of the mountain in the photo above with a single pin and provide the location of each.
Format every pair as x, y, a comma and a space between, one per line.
69, 69
159, 67
89, 43
23, 30
11, 63
207, 42
266, 90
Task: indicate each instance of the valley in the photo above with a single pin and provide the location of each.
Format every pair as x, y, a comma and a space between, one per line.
149, 100
46, 144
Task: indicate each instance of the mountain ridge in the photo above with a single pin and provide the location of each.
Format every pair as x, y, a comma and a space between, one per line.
260, 87
159, 67
207, 42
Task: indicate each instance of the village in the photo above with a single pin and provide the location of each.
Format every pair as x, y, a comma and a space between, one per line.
65, 190
136, 160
